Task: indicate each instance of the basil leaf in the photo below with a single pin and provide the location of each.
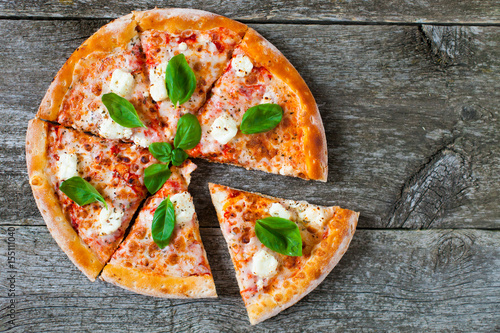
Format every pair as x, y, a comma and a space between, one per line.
261, 118
163, 223
162, 151
155, 176
188, 133
279, 235
121, 111
80, 191
179, 79
178, 156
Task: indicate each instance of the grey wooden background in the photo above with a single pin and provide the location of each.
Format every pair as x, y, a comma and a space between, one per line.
409, 92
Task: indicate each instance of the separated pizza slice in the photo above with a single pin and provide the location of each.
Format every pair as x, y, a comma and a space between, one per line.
307, 241
178, 270
261, 115
204, 39
109, 63
103, 177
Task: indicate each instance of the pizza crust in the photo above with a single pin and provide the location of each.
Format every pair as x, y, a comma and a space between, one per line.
48, 203
150, 284
314, 140
114, 34
176, 20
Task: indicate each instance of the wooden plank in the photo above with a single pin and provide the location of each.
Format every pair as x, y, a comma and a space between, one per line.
401, 11
411, 121
439, 280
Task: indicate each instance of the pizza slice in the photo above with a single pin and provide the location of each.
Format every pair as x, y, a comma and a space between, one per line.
180, 269
206, 40
260, 78
270, 281
90, 233
110, 62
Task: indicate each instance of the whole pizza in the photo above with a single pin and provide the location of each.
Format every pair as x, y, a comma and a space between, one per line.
108, 159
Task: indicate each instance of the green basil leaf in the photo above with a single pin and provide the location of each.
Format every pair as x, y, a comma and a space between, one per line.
80, 191
261, 118
163, 223
188, 133
279, 235
155, 176
178, 156
162, 151
179, 79
121, 111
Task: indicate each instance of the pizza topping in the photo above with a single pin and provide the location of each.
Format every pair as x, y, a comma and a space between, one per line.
184, 207
264, 264
155, 176
178, 156
163, 223
180, 80
158, 89
279, 235
121, 111
224, 128
110, 220
112, 130
162, 151
67, 166
183, 47
122, 82
313, 215
242, 65
140, 139
278, 210
188, 132
80, 191
261, 118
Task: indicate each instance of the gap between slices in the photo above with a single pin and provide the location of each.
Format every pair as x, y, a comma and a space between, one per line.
270, 282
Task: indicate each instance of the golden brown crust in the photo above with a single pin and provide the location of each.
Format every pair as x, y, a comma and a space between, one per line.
48, 203
314, 140
323, 259
151, 284
175, 20
114, 34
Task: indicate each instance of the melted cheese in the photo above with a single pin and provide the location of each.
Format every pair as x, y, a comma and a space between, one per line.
112, 130
140, 139
110, 219
184, 207
158, 88
264, 265
67, 166
242, 65
224, 128
278, 210
122, 82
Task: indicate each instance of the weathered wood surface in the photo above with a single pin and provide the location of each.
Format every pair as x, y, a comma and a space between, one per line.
394, 280
411, 117
378, 11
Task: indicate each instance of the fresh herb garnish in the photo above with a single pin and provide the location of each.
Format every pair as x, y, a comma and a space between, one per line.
188, 133
280, 235
179, 79
121, 110
261, 118
163, 223
162, 151
155, 176
179, 156
80, 191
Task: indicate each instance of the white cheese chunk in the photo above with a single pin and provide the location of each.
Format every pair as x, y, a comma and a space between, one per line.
278, 210
224, 128
158, 89
183, 206
183, 46
67, 166
110, 219
315, 216
212, 47
112, 130
268, 97
264, 265
122, 83
140, 139
242, 65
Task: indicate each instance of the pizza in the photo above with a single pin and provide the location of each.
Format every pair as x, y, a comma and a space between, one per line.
269, 281
233, 69
181, 269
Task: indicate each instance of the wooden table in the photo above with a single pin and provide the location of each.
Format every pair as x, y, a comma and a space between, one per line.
409, 93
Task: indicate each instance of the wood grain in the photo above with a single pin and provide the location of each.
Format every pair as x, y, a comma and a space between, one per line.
411, 121
356, 11
397, 280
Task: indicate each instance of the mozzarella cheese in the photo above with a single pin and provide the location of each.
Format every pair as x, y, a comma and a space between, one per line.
183, 206
313, 215
110, 219
278, 210
224, 128
264, 265
140, 139
67, 166
183, 46
212, 48
122, 82
158, 89
268, 97
242, 65
112, 130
